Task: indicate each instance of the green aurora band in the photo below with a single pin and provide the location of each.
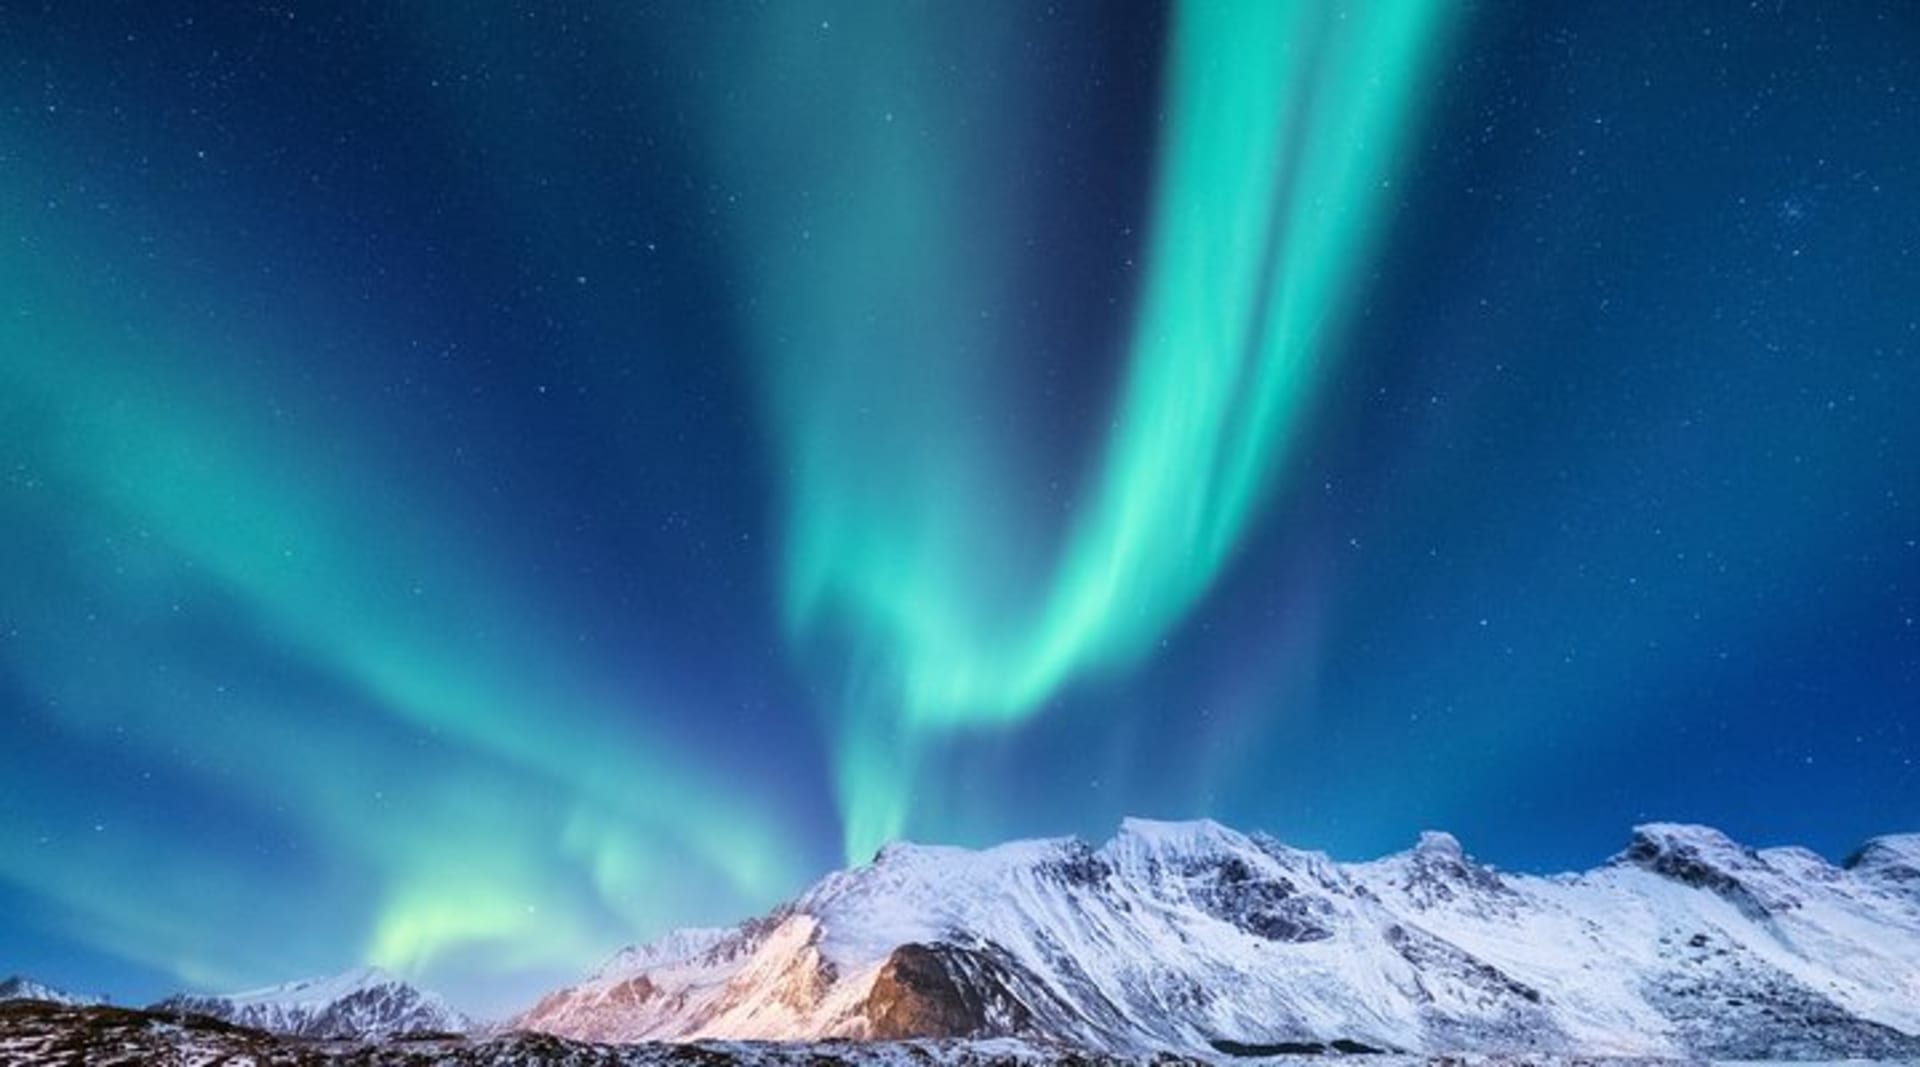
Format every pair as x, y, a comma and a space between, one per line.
544, 818
908, 549
504, 805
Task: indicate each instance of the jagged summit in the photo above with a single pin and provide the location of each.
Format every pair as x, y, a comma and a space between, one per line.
1194, 936
1686, 837
1705, 858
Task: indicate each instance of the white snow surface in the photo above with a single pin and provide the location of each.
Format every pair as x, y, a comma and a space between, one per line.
1177, 935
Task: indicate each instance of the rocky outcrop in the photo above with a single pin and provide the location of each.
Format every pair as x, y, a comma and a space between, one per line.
1704, 859
942, 991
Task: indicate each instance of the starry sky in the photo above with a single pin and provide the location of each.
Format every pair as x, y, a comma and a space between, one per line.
481, 484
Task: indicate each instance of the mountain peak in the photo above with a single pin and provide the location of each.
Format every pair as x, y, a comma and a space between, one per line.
1684, 834
1137, 826
1439, 842
1686, 851
1762, 885
1437, 872
904, 851
1654, 842
1160, 836
1890, 860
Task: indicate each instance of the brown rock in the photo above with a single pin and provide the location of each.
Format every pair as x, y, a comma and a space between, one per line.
936, 991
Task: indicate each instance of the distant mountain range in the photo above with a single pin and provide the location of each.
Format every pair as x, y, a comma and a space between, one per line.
18, 988
1194, 938
363, 1003
1189, 940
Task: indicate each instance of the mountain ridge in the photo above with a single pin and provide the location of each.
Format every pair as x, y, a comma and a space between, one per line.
1194, 937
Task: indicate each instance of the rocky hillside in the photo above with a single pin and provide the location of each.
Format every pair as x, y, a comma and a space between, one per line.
44, 1033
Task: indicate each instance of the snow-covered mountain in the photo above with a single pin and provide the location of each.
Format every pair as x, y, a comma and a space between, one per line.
1193, 937
366, 1002
18, 988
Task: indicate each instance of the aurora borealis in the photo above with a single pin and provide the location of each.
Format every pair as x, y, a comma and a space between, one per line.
1280, 130
486, 484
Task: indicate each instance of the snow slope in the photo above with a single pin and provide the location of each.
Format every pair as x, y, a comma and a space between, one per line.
1196, 938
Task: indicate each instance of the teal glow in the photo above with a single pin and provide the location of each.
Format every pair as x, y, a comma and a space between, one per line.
507, 806
909, 533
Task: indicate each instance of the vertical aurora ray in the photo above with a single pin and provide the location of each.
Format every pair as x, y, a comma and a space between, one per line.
909, 551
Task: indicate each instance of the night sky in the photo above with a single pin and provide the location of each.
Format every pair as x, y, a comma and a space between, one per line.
481, 484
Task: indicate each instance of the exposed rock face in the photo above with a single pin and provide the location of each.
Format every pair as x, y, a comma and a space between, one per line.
1726, 1004
939, 991
1704, 859
1438, 871
1265, 905
1077, 865
1192, 938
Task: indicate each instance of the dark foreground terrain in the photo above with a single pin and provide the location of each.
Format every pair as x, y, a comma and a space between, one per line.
33, 1032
